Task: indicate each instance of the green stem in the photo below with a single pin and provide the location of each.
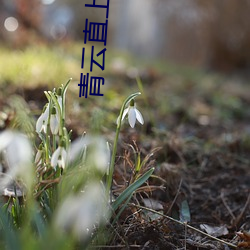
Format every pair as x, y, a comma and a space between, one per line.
112, 164
59, 111
47, 140
65, 87
54, 142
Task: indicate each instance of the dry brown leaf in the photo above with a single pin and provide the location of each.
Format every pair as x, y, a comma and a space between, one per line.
245, 236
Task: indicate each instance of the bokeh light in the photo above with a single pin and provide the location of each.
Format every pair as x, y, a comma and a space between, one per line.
11, 24
58, 31
47, 2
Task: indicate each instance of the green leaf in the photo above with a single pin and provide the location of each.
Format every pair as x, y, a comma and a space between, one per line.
10, 236
129, 190
122, 209
39, 222
184, 212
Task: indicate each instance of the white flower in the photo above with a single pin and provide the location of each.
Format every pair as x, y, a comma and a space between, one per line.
59, 157
98, 152
39, 155
42, 122
17, 152
133, 114
54, 121
59, 99
79, 214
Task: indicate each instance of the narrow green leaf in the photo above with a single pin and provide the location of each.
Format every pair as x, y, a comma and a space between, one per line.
10, 236
39, 222
65, 87
128, 191
138, 163
122, 209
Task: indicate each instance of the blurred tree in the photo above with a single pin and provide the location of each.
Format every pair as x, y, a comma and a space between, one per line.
215, 34
229, 34
27, 15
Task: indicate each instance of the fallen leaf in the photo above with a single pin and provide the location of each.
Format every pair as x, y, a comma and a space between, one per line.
185, 212
215, 231
245, 236
153, 204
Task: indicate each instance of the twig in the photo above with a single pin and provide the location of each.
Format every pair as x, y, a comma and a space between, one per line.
184, 224
239, 217
227, 207
185, 242
175, 198
116, 246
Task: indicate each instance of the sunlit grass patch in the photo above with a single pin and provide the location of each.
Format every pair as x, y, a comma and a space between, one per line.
36, 65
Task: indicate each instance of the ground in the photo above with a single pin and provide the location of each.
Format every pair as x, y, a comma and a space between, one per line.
197, 124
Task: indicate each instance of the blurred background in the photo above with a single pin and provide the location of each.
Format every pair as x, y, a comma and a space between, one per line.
193, 60
212, 34
193, 57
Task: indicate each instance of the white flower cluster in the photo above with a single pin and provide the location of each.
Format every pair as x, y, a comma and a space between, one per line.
50, 116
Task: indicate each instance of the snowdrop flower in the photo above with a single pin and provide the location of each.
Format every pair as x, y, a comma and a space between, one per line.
42, 122
17, 152
59, 97
54, 121
59, 157
133, 114
79, 214
98, 152
39, 154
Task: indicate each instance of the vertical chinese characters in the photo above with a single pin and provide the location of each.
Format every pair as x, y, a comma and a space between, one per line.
95, 32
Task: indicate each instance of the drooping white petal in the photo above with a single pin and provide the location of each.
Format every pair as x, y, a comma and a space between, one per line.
79, 214
132, 117
133, 114
55, 156
39, 123
46, 112
54, 124
19, 151
38, 156
139, 116
44, 127
59, 157
77, 148
18, 156
125, 112
42, 121
123, 115
59, 99
101, 154
98, 152
5, 139
62, 161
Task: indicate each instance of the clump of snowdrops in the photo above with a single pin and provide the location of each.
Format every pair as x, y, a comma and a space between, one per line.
61, 190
